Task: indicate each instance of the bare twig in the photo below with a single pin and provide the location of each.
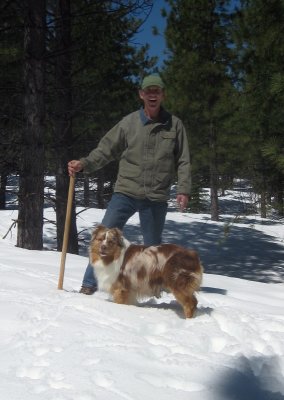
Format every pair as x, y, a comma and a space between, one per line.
15, 221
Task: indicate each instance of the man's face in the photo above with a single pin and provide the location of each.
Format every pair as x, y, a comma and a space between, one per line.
152, 97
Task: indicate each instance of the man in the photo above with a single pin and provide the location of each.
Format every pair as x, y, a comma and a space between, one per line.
152, 149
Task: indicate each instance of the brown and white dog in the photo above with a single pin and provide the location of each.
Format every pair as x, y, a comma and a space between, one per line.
130, 272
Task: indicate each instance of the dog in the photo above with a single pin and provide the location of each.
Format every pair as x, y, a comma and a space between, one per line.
130, 272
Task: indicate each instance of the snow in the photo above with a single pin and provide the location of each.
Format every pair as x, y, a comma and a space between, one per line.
61, 345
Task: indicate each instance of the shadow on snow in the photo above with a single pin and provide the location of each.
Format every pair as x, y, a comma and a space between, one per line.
239, 252
251, 379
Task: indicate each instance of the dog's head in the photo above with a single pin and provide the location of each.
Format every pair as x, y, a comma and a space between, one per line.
106, 243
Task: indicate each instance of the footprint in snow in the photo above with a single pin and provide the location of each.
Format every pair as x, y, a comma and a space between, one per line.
103, 379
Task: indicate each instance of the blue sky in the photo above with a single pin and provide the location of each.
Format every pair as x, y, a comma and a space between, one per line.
157, 43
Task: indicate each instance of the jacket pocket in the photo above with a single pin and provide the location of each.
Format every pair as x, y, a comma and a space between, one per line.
169, 135
166, 145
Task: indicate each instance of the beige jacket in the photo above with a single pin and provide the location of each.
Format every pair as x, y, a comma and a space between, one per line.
152, 156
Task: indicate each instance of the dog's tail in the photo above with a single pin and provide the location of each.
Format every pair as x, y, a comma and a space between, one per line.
186, 272
188, 281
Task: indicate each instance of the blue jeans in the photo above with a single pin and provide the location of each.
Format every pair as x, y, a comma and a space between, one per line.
152, 216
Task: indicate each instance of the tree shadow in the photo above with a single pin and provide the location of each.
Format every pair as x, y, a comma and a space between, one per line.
238, 252
207, 289
257, 378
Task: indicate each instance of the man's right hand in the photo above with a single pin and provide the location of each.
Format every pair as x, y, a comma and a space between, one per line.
74, 166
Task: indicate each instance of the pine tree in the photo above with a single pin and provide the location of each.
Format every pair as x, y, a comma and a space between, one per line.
260, 37
63, 121
197, 74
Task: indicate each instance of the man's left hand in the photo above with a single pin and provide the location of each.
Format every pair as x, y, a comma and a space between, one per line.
182, 201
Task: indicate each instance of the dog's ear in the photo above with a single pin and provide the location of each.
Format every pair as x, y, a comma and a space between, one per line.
119, 237
98, 229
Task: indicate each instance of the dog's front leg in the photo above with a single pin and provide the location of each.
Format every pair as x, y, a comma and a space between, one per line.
120, 292
120, 296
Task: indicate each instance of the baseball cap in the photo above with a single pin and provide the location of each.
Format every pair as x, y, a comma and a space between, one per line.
152, 80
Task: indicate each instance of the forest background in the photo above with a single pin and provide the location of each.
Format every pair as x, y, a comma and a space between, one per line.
71, 69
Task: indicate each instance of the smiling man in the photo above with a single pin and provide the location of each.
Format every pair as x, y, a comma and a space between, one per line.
152, 149
152, 94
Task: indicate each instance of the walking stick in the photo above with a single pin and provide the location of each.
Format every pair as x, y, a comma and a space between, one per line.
66, 231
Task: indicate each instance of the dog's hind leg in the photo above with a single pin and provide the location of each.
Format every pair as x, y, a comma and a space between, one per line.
188, 302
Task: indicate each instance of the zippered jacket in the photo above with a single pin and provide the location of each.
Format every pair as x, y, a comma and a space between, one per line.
152, 156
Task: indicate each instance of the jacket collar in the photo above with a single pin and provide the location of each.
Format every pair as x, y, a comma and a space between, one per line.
163, 118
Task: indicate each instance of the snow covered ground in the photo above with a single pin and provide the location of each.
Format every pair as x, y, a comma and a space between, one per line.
61, 345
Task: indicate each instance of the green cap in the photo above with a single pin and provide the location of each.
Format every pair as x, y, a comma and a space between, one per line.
152, 80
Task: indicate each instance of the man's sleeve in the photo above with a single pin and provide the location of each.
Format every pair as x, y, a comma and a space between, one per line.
109, 149
182, 156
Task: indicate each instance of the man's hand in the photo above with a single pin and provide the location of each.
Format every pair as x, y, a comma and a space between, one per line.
74, 166
182, 201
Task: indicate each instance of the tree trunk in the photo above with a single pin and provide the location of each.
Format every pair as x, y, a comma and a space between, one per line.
86, 192
263, 195
263, 204
100, 189
213, 175
63, 125
3, 184
279, 196
31, 182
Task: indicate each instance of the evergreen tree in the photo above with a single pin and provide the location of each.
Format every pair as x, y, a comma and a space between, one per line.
260, 37
197, 73
63, 121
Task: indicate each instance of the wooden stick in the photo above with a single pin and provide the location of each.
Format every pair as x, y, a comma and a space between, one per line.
66, 231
